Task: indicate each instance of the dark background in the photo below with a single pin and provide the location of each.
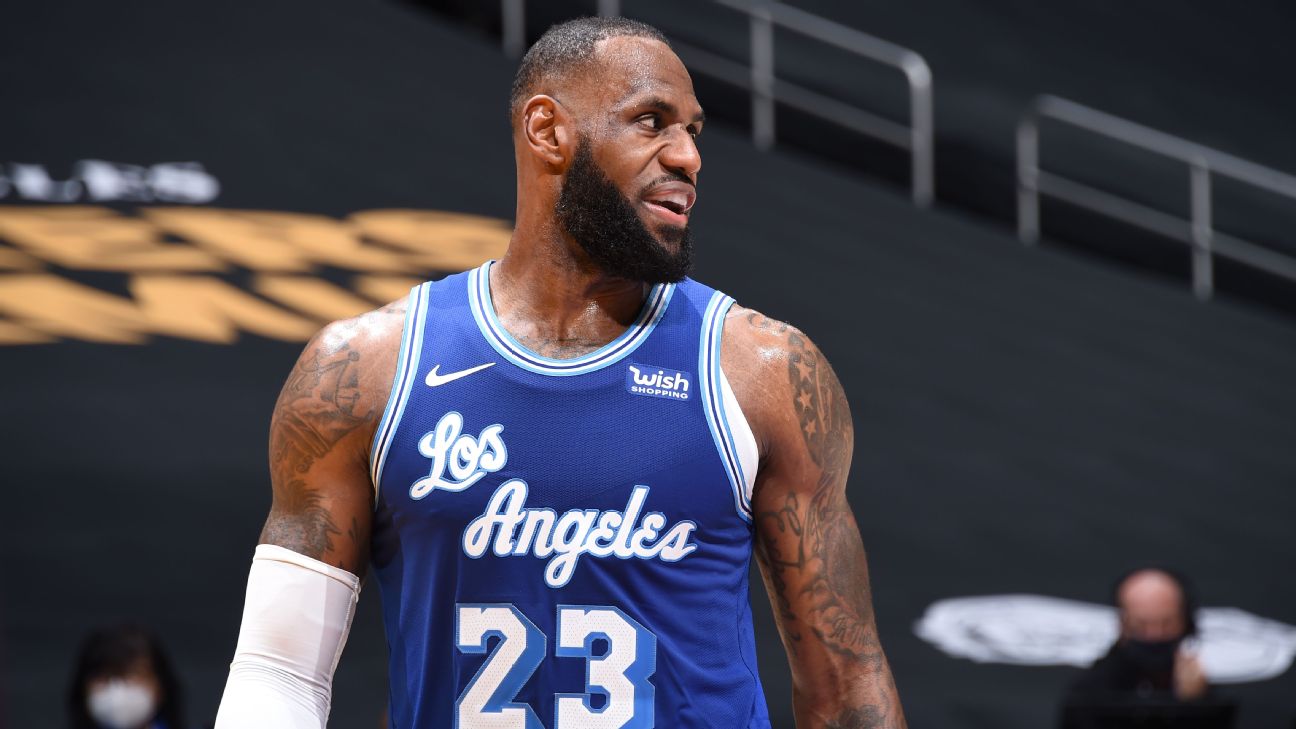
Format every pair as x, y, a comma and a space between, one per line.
1027, 420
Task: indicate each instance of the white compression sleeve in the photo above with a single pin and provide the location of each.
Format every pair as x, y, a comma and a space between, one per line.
295, 623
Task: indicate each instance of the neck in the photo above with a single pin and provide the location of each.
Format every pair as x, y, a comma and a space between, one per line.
551, 298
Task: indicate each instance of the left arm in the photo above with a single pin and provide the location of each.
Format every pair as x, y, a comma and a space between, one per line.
807, 542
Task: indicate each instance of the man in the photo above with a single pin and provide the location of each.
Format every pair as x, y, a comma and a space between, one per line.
561, 462
1148, 659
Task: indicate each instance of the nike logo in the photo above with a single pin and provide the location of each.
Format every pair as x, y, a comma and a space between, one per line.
434, 379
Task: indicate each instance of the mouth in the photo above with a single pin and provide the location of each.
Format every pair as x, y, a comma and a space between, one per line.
671, 202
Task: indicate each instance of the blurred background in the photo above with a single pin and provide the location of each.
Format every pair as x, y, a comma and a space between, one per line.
1067, 326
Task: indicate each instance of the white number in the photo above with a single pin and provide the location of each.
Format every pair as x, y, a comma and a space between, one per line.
620, 674
487, 702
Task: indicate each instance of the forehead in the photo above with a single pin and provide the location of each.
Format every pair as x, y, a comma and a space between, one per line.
631, 66
1150, 592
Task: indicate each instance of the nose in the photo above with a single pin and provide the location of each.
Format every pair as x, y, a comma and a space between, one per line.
681, 155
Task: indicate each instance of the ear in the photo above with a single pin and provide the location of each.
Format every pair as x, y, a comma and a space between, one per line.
548, 132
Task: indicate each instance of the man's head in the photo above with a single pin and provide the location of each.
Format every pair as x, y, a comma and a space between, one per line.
1154, 606
605, 122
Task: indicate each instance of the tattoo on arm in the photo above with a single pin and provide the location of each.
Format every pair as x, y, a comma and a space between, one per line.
316, 409
811, 548
827, 554
865, 717
787, 522
300, 523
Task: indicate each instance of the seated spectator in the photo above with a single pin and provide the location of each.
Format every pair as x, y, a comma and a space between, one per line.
123, 681
1148, 659
1149, 678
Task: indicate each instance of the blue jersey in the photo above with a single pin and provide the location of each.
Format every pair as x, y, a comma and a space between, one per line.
564, 544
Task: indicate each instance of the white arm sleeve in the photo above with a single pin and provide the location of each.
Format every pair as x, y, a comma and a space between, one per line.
295, 623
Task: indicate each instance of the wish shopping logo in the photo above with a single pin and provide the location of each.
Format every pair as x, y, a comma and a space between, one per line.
658, 382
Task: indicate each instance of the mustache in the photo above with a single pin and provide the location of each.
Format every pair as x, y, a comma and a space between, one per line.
669, 177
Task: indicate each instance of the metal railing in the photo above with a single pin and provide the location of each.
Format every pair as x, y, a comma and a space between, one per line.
767, 90
1203, 162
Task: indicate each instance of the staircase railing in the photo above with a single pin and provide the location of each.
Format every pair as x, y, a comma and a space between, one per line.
1198, 231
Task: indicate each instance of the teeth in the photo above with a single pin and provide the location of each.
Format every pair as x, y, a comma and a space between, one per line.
672, 198
674, 204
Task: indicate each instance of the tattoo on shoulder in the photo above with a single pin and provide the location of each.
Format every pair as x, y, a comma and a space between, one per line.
760, 322
316, 408
821, 406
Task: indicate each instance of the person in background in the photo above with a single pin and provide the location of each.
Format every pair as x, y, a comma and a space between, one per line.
123, 680
1149, 659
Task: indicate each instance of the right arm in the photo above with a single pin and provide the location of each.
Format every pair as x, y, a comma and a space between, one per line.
320, 436
305, 578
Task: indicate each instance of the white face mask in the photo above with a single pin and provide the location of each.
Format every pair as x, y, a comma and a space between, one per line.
122, 704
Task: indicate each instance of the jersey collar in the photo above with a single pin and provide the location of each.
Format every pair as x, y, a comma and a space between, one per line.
501, 341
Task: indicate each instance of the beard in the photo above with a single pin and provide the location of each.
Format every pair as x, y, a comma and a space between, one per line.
592, 210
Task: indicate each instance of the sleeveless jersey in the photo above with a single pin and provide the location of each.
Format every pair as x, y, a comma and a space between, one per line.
564, 544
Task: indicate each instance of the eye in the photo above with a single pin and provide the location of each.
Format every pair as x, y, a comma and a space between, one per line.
651, 121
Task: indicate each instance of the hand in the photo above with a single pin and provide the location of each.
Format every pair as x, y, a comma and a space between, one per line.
1189, 678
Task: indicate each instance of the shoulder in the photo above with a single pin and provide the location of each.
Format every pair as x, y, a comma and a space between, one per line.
784, 384
758, 348
370, 332
748, 327
348, 365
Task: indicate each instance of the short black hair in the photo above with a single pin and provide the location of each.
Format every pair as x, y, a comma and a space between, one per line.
566, 46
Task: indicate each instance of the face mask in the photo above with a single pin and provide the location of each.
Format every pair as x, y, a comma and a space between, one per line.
1151, 656
121, 704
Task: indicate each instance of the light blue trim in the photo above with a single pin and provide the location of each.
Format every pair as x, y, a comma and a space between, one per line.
406, 373
725, 428
398, 377
488, 308
717, 392
483, 310
708, 374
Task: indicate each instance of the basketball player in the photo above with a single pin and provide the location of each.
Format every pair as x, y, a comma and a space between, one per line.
560, 463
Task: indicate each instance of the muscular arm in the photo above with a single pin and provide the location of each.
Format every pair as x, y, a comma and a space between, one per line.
808, 545
305, 577
320, 435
